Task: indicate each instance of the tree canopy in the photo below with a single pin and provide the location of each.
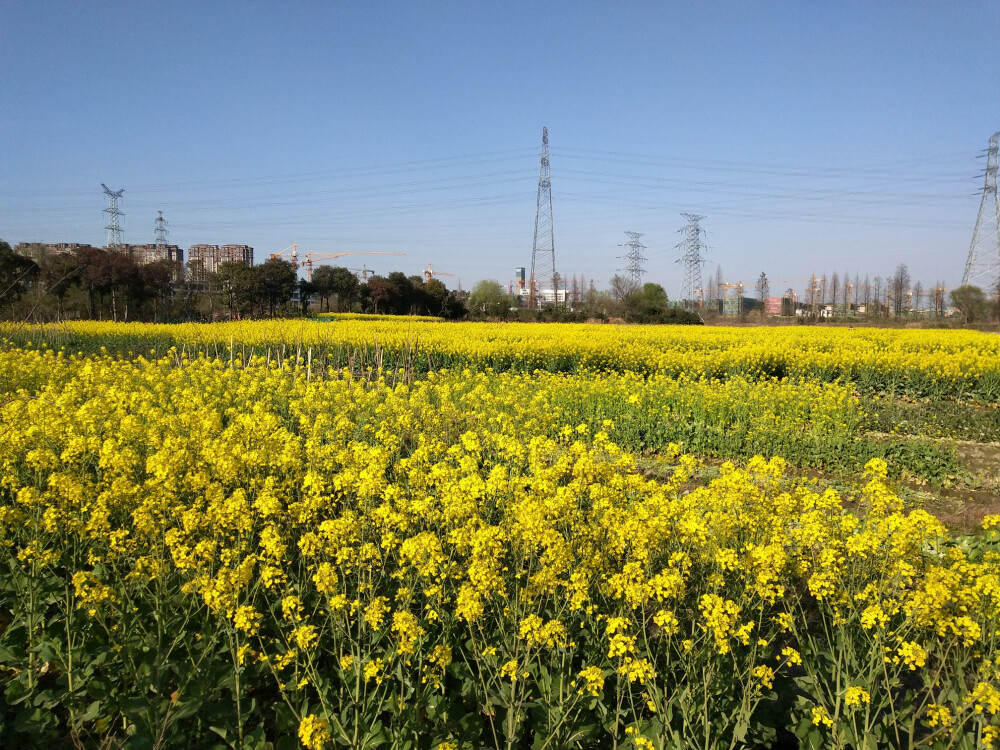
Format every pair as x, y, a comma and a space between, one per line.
17, 274
489, 300
970, 301
650, 304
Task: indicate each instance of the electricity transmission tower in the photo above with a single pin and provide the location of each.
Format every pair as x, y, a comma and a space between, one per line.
634, 259
161, 235
982, 267
692, 258
113, 227
543, 253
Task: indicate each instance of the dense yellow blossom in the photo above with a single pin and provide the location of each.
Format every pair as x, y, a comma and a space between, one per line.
313, 732
855, 696
963, 361
371, 538
593, 680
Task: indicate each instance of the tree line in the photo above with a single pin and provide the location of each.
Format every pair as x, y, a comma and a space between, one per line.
630, 302
897, 295
101, 284
89, 282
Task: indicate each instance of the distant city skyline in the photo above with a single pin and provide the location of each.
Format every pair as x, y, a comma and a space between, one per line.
814, 137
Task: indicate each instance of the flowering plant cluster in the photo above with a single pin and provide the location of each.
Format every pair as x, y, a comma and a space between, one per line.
915, 363
228, 551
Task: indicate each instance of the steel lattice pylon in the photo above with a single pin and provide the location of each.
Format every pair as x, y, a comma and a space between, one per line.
543, 252
161, 234
114, 228
982, 267
634, 259
692, 258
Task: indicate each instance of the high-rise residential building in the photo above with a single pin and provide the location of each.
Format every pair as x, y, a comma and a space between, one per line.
144, 254
39, 251
206, 259
234, 253
202, 259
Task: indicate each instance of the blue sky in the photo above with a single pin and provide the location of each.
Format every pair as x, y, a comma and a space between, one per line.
815, 136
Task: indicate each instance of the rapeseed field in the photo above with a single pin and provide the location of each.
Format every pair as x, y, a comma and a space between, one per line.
369, 533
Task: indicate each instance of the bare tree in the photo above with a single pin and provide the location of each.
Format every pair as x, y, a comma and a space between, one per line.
834, 291
621, 287
918, 297
815, 293
938, 299
762, 290
898, 287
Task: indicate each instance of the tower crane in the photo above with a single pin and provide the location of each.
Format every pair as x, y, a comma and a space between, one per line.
310, 257
797, 281
430, 273
812, 290
293, 256
727, 287
362, 273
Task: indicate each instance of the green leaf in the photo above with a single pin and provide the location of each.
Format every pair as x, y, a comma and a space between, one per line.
187, 708
470, 724
10, 656
221, 731
740, 730
256, 740
98, 688
32, 721
16, 692
810, 735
